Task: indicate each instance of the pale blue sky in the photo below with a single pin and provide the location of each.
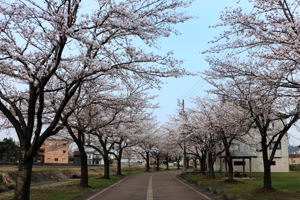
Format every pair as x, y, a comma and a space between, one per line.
188, 46
194, 38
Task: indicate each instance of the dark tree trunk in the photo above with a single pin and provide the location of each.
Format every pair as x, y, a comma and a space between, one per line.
84, 176
23, 181
230, 168
195, 163
211, 172
228, 161
147, 162
157, 163
80, 141
119, 164
202, 161
267, 177
106, 167
119, 156
178, 164
167, 162
187, 163
119, 167
267, 166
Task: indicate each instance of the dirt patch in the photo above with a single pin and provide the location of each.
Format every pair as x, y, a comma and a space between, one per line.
48, 176
8, 179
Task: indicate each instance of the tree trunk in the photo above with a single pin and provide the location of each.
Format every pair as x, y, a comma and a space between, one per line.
157, 163
211, 172
202, 164
167, 162
187, 163
178, 164
228, 162
106, 167
23, 181
119, 167
119, 164
267, 165
267, 177
230, 168
195, 163
84, 176
147, 162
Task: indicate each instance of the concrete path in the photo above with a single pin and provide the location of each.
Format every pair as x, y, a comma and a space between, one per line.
150, 186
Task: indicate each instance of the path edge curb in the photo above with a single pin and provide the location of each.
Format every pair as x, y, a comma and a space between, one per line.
188, 185
90, 195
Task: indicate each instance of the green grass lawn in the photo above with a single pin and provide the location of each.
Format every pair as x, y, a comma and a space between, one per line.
67, 191
70, 191
287, 186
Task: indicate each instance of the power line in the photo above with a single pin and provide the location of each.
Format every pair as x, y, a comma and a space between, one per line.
224, 53
294, 137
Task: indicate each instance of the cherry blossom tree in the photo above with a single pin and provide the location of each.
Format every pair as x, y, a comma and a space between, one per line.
169, 148
106, 134
172, 148
126, 134
204, 137
147, 141
101, 136
157, 150
197, 148
265, 103
261, 65
230, 122
77, 116
48, 46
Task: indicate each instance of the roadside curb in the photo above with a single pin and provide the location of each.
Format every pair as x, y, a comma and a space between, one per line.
90, 195
209, 192
192, 188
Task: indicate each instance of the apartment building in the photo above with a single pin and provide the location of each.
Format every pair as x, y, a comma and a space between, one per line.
56, 151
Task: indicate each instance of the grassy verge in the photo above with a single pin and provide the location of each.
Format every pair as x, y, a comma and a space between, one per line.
70, 190
66, 191
286, 185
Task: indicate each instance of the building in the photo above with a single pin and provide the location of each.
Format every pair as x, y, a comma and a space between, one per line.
294, 159
94, 158
56, 151
248, 157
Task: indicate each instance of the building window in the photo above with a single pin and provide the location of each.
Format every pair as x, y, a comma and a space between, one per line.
64, 151
56, 159
239, 163
273, 144
63, 159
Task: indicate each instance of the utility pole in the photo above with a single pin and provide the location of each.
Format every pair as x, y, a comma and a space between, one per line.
183, 115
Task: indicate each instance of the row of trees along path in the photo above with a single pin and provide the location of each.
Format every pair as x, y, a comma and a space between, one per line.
51, 50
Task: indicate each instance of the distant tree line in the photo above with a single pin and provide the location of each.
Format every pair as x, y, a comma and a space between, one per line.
8, 151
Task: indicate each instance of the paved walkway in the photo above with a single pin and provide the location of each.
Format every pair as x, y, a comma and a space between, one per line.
150, 186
